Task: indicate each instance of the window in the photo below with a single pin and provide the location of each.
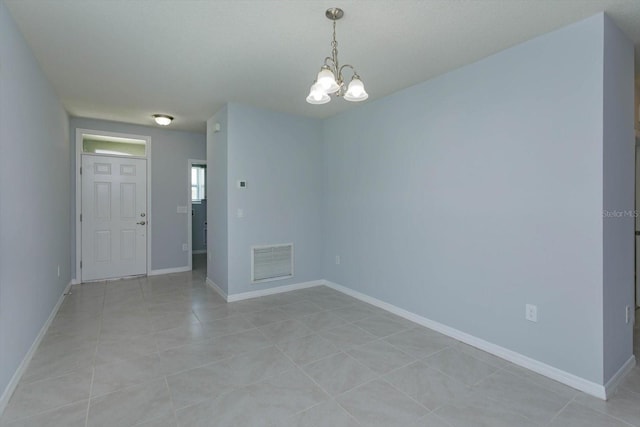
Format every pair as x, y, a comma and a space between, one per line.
198, 179
113, 145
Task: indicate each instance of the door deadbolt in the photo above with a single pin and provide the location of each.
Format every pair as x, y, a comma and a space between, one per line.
141, 223
142, 214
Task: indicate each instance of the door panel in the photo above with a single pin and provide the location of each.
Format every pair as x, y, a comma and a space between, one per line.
114, 237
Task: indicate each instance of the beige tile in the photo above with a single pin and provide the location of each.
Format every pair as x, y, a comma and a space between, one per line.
211, 380
50, 363
624, 405
475, 410
326, 414
426, 385
308, 349
575, 415
300, 308
420, 342
339, 373
131, 406
110, 377
281, 332
73, 415
377, 403
547, 383
460, 366
381, 326
322, 320
33, 398
380, 356
522, 396
268, 403
347, 336
112, 350
265, 317
357, 311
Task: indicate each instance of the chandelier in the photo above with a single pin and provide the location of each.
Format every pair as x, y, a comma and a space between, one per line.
330, 79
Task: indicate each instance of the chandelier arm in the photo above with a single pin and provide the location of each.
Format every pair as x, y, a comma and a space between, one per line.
328, 61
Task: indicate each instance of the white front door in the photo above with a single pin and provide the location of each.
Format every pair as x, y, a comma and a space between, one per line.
114, 217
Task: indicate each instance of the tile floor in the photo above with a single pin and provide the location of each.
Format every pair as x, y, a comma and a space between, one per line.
166, 351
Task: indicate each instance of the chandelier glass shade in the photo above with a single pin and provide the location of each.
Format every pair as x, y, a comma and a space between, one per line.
330, 80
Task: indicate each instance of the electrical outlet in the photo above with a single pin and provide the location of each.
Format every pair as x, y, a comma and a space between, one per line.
240, 213
59, 276
185, 247
337, 259
531, 312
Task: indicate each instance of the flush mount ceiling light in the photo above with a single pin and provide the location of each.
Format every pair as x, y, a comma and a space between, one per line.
330, 79
162, 119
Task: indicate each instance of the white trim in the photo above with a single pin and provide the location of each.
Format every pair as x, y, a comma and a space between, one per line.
17, 375
589, 387
264, 292
271, 291
190, 163
611, 386
217, 288
199, 252
79, 133
169, 271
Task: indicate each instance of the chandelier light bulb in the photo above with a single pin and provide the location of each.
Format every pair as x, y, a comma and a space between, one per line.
327, 80
356, 92
317, 95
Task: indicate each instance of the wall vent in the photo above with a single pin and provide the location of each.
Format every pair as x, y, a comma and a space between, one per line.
274, 262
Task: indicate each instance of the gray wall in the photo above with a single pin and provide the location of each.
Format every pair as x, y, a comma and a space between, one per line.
280, 157
619, 177
467, 196
34, 198
169, 177
217, 193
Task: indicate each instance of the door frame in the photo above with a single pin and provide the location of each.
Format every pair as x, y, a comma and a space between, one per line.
80, 133
190, 163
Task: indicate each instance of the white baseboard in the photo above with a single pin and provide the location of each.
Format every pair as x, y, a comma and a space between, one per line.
263, 292
15, 379
217, 288
589, 387
611, 385
169, 271
199, 251
276, 290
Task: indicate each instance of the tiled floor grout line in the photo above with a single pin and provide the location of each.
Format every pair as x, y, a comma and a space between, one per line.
331, 397
171, 402
93, 373
560, 411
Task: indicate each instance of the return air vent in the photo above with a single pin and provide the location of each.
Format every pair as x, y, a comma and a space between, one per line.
273, 262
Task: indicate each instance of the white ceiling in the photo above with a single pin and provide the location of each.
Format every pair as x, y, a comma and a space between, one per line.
124, 60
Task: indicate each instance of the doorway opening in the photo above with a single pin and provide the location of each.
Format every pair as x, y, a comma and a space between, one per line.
197, 221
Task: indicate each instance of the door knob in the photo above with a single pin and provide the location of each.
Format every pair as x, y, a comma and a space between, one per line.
141, 223
142, 214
